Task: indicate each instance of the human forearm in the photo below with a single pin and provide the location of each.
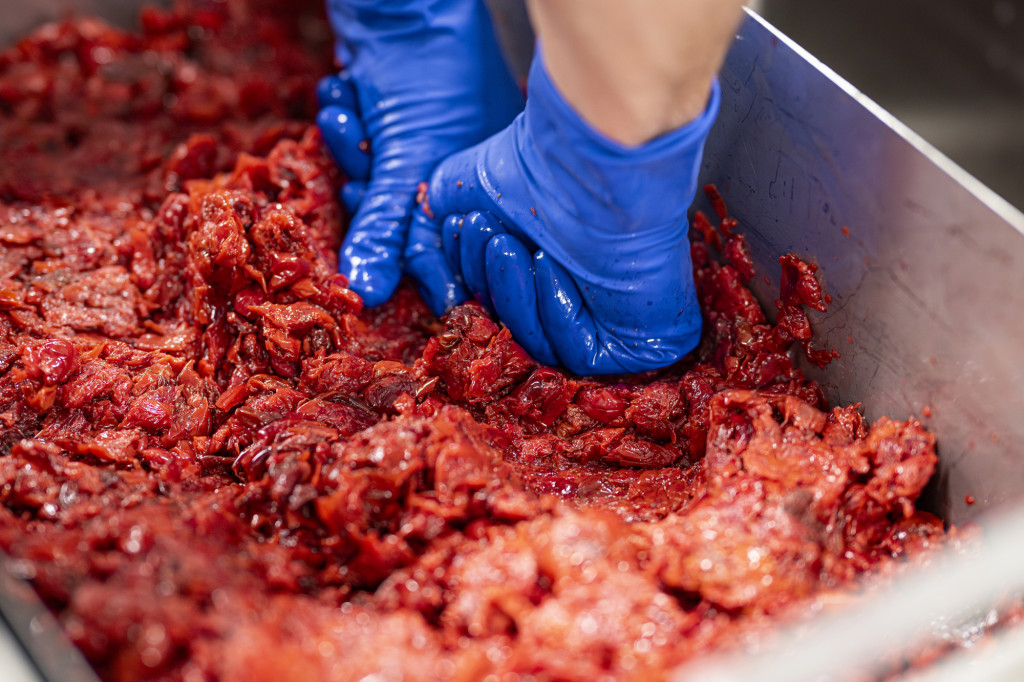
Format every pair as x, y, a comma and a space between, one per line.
635, 70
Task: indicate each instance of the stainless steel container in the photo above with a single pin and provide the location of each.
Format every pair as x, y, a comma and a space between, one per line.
925, 264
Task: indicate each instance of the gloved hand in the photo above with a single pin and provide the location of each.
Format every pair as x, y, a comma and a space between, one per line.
421, 80
577, 242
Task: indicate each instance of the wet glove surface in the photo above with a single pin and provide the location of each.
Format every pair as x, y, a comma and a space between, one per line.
576, 242
421, 80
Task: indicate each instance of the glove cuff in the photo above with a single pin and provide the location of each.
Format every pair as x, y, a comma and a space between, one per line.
647, 187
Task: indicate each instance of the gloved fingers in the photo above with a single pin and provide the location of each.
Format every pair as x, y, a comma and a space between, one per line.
352, 193
454, 188
564, 317
345, 138
371, 255
425, 261
510, 277
338, 90
451, 236
477, 230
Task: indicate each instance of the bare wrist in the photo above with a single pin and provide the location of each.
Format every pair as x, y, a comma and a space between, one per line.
637, 70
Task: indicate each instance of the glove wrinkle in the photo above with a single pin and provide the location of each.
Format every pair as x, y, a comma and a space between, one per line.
612, 283
428, 80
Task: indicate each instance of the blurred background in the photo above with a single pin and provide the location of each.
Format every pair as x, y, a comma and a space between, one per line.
952, 70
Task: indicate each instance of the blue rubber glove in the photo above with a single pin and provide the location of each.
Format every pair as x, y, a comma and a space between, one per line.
422, 79
579, 243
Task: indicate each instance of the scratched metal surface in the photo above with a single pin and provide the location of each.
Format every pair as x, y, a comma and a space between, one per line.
928, 288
